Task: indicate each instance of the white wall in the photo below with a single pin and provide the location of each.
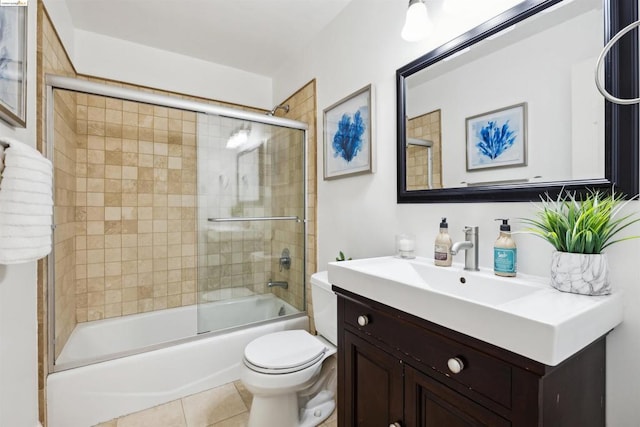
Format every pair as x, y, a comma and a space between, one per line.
107, 57
18, 306
360, 216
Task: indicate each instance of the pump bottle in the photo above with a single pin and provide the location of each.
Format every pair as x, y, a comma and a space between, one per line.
442, 253
505, 259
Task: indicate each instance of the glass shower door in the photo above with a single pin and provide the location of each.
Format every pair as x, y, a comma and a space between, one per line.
251, 207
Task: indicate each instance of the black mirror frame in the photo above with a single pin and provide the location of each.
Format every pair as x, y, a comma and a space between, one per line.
621, 121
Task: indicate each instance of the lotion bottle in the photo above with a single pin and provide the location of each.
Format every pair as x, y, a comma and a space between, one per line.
442, 254
505, 255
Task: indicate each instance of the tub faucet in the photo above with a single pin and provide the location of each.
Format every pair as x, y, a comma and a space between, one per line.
470, 246
284, 285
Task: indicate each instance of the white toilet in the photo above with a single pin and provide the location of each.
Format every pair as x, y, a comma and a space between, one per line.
285, 371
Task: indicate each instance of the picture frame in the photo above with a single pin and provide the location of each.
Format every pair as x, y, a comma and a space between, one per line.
348, 143
13, 64
497, 139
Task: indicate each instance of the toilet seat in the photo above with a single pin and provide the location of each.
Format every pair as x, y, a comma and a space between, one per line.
284, 352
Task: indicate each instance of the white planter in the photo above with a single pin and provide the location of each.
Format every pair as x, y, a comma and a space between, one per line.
586, 274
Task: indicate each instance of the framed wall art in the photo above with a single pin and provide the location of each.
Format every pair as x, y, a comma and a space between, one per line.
497, 138
13, 64
348, 144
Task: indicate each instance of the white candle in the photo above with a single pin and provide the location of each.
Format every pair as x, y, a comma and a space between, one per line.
406, 245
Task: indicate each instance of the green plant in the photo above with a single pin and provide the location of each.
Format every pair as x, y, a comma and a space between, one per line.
584, 225
341, 257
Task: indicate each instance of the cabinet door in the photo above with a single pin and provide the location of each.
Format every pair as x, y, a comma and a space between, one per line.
429, 403
372, 385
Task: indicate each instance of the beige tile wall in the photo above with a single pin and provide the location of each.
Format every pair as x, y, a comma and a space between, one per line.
65, 213
287, 186
302, 107
426, 126
135, 208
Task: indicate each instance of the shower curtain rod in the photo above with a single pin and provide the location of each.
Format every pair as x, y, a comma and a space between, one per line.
93, 88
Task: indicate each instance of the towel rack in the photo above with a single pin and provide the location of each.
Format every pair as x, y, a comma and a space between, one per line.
257, 218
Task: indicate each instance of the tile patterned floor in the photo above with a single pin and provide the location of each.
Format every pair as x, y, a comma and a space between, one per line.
224, 406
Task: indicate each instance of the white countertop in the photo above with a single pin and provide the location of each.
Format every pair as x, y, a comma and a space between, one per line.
523, 314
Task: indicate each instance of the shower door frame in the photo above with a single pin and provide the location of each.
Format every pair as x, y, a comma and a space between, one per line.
53, 82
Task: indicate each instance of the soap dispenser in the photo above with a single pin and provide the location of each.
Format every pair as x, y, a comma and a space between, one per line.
442, 254
505, 259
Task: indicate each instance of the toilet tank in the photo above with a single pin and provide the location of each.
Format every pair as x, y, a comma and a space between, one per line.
325, 307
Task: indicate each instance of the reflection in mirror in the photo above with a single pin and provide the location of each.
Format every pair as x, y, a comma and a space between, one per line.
424, 164
517, 108
248, 171
546, 61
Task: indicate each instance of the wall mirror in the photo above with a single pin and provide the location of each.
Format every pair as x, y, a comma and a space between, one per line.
510, 109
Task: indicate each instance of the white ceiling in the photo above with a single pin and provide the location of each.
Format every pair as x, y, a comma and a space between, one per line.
251, 35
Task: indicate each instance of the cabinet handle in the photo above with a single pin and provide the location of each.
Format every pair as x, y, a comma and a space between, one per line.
363, 320
396, 424
455, 365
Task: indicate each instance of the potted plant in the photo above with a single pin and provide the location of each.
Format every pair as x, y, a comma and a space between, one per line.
580, 228
341, 257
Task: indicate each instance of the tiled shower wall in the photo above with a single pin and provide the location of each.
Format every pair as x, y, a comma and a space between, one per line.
287, 186
426, 126
302, 107
65, 213
135, 208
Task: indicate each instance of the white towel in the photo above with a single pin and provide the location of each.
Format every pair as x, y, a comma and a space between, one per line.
10, 243
23, 220
26, 204
25, 209
26, 175
24, 231
9, 183
21, 160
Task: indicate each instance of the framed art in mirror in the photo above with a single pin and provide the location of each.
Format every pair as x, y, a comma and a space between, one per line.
573, 140
497, 139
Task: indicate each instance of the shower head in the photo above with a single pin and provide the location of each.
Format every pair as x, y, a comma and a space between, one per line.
419, 142
284, 107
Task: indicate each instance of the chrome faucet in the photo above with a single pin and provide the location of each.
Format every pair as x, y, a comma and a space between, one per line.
470, 246
284, 285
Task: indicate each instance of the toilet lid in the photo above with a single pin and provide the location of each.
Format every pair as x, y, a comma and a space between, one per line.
284, 352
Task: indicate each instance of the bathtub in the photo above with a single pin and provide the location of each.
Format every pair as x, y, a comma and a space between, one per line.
84, 396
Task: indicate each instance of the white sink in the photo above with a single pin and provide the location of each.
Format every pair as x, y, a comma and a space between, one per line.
523, 314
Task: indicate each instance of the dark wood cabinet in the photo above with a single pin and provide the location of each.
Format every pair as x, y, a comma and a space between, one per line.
431, 404
374, 390
396, 368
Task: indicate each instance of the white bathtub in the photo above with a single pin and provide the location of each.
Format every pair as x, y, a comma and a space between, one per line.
87, 395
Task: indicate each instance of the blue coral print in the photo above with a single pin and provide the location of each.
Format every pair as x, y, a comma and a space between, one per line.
495, 139
347, 142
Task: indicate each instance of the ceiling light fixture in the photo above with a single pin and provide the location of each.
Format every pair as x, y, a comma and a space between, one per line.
417, 25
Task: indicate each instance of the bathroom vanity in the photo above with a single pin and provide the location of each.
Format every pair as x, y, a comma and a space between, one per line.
399, 368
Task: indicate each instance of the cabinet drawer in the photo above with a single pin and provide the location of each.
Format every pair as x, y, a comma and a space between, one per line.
480, 372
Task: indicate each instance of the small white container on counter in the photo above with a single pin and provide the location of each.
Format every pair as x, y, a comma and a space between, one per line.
405, 246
